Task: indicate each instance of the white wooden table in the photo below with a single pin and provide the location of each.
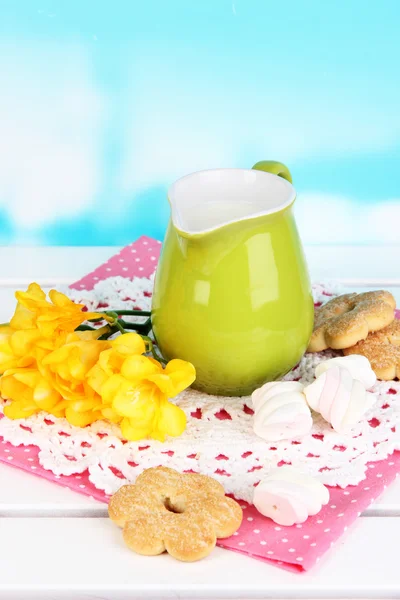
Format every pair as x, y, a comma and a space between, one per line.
55, 543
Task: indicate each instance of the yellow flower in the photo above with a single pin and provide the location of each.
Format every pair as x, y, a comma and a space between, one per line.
140, 392
83, 412
110, 361
46, 365
29, 392
67, 366
21, 348
8, 360
34, 311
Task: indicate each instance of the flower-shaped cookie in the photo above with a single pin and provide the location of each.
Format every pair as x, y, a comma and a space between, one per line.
182, 514
347, 319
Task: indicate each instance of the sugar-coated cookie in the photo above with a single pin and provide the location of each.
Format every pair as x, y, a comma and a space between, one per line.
181, 513
382, 349
347, 319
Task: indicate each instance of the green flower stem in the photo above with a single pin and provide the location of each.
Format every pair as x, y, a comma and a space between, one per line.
116, 323
130, 313
98, 320
142, 328
111, 331
150, 348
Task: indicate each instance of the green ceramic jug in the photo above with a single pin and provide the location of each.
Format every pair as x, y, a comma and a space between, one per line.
232, 293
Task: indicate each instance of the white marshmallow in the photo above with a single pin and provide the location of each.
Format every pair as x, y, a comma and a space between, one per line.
281, 411
359, 367
288, 496
339, 398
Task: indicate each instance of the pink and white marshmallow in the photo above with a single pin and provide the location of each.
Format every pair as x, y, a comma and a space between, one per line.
281, 411
359, 367
339, 398
288, 496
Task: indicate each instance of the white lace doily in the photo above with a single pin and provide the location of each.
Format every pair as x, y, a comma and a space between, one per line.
219, 440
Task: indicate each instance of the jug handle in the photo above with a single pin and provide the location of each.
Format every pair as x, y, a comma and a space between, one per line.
274, 167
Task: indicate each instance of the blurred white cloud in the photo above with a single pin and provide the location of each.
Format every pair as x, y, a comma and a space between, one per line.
51, 119
185, 117
331, 219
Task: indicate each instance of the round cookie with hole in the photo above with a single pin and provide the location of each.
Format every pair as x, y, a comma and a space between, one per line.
181, 513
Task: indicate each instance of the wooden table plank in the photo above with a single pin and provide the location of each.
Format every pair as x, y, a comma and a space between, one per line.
355, 265
50, 265
351, 264
48, 499
76, 558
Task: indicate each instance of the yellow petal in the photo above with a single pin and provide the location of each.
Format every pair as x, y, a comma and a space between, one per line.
133, 433
77, 367
20, 410
110, 361
18, 384
62, 301
96, 378
59, 409
176, 377
129, 343
158, 435
35, 291
171, 419
138, 367
28, 377
93, 335
5, 332
33, 299
34, 294
7, 362
82, 361
59, 355
164, 384
82, 405
182, 374
11, 389
45, 396
111, 387
109, 413
8, 359
53, 343
69, 391
22, 341
91, 394
137, 402
22, 318
81, 419
54, 320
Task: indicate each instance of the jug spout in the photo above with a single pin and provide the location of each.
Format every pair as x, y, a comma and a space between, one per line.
208, 200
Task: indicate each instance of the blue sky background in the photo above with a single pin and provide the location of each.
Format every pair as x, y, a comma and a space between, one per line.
103, 104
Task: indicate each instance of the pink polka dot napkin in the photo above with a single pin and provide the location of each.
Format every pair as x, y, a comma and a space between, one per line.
296, 548
139, 259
